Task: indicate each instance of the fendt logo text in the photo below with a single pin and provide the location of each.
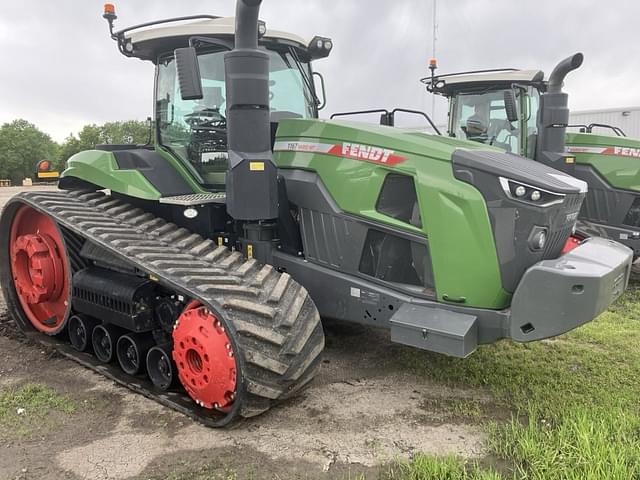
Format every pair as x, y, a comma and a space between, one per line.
366, 152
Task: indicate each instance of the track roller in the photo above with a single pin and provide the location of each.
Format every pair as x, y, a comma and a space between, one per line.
80, 329
131, 351
160, 368
104, 339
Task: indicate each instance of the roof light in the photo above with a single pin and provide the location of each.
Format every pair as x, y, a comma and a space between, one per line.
109, 11
433, 62
320, 47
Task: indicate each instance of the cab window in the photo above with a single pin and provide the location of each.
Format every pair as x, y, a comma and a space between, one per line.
481, 117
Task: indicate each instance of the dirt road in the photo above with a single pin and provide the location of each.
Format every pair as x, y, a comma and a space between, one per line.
361, 412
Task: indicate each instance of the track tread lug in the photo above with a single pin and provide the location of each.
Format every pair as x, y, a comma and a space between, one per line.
261, 360
214, 255
262, 276
297, 342
263, 390
260, 332
280, 288
231, 259
243, 269
294, 309
250, 307
202, 247
229, 289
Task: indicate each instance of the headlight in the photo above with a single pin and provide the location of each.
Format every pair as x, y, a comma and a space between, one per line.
538, 238
529, 194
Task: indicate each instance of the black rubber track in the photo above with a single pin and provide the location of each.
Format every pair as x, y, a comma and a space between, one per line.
270, 319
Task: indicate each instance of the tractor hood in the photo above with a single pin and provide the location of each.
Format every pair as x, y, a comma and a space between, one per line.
390, 138
362, 141
616, 159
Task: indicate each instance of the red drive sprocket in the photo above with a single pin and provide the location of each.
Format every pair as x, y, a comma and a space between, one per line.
40, 270
205, 358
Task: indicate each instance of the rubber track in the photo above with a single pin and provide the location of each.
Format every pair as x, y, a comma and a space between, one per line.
270, 318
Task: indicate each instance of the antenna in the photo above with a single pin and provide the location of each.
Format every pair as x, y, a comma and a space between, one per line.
432, 63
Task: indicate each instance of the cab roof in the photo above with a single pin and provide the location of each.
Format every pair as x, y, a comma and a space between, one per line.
448, 84
150, 41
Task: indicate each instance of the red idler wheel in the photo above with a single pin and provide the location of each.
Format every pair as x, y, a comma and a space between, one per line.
40, 270
205, 358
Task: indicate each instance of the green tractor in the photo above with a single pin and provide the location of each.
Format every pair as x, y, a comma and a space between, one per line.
521, 112
196, 271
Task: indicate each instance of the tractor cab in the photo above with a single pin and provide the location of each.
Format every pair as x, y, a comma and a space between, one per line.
194, 130
494, 107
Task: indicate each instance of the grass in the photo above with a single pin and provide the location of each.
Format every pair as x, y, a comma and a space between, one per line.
39, 406
575, 402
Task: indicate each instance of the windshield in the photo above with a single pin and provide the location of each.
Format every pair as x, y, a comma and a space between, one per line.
482, 117
195, 130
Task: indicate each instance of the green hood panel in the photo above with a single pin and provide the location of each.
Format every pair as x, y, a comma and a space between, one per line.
454, 213
400, 140
617, 159
100, 168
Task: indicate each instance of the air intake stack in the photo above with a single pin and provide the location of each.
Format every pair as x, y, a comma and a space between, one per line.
252, 177
554, 114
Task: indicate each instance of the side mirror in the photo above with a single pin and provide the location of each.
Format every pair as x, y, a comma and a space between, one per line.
511, 105
323, 102
188, 73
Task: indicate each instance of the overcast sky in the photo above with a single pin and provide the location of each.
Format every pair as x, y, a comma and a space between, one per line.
61, 70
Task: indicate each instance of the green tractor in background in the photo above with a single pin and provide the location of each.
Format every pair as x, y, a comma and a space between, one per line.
521, 112
199, 278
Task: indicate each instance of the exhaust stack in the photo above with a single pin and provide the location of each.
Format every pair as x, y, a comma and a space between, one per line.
252, 176
556, 79
554, 114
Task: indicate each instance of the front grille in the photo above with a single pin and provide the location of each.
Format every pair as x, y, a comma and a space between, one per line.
556, 241
573, 202
560, 232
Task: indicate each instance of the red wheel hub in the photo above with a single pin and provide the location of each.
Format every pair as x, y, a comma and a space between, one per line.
205, 358
40, 269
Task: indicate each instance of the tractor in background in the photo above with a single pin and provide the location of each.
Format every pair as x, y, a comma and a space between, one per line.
523, 113
196, 271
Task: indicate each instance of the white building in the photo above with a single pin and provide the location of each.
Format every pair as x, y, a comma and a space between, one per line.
627, 118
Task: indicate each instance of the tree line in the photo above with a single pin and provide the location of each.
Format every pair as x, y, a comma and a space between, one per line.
23, 145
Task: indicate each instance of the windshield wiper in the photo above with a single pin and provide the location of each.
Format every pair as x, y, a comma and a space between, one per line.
305, 77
